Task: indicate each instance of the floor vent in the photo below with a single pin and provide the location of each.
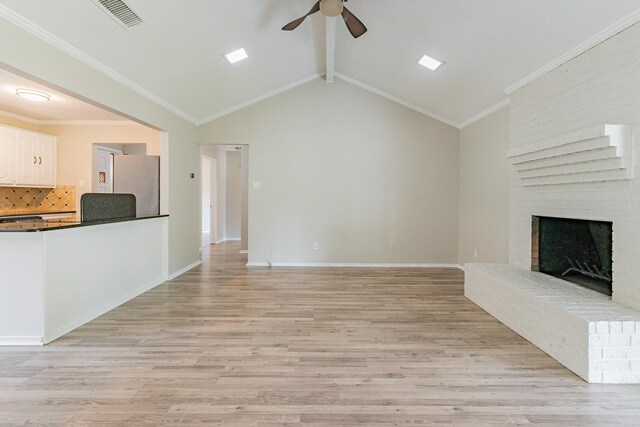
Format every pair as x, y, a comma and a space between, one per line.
120, 12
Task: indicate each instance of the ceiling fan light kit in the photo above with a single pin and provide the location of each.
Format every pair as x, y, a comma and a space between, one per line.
331, 8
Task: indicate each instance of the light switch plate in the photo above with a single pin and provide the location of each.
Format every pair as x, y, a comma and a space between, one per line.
257, 185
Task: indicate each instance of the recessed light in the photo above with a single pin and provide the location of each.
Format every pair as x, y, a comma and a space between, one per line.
236, 55
430, 63
33, 95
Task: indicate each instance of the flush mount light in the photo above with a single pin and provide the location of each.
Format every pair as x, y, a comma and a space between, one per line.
33, 95
430, 63
236, 55
331, 7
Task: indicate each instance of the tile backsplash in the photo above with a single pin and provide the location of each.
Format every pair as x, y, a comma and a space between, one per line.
25, 199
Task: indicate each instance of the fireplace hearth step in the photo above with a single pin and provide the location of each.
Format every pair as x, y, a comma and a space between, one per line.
587, 332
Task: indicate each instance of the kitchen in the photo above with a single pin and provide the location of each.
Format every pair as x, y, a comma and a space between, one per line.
66, 255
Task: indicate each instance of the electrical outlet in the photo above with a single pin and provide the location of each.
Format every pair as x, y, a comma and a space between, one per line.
475, 253
315, 245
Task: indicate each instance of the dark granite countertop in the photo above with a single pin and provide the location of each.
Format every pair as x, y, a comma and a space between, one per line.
59, 224
32, 212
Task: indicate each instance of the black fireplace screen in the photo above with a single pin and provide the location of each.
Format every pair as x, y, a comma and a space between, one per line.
576, 250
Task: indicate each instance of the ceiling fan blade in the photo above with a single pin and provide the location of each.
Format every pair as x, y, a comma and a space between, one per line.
354, 25
294, 24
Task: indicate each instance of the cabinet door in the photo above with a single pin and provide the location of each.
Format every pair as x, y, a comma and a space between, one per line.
46, 164
27, 159
7, 156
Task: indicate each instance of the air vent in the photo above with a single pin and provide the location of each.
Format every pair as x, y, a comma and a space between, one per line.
120, 12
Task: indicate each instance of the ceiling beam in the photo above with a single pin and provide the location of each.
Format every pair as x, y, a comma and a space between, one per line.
331, 48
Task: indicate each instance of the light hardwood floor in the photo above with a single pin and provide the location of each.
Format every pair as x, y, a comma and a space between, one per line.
319, 347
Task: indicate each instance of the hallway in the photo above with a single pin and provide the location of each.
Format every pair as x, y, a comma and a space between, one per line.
331, 347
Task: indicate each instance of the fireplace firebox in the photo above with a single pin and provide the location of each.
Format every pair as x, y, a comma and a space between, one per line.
579, 251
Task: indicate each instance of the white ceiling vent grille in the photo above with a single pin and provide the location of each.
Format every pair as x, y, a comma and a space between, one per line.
120, 12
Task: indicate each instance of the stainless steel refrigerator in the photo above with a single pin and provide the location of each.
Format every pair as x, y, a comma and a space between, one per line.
140, 176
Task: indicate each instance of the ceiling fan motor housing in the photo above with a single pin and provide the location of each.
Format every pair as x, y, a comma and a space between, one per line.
331, 7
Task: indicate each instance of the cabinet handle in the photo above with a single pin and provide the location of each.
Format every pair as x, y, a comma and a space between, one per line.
40, 160
34, 160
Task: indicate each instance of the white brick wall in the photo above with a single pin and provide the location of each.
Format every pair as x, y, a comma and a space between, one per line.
596, 338
601, 86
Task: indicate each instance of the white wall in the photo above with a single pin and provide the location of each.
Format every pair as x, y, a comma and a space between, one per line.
484, 190
234, 195
30, 55
355, 172
598, 87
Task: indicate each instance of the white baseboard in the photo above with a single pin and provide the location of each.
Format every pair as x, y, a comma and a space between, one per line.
58, 332
351, 265
184, 270
243, 251
228, 239
16, 341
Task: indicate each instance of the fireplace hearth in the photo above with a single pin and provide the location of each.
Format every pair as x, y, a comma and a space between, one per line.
579, 251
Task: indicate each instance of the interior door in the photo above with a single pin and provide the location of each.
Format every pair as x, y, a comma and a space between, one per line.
205, 174
102, 174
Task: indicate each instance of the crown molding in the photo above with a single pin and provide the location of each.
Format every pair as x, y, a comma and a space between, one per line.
396, 100
258, 99
481, 115
19, 117
68, 122
590, 43
49, 38
89, 123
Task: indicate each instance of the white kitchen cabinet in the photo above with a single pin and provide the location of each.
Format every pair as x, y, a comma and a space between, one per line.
27, 159
7, 156
46, 165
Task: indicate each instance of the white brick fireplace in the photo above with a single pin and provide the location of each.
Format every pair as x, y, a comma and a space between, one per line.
574, 155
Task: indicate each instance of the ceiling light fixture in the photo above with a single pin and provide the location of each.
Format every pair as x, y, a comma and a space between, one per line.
236, 55
331, 7
33, 95
430, 63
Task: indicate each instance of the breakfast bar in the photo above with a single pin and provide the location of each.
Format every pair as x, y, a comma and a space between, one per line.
59, 275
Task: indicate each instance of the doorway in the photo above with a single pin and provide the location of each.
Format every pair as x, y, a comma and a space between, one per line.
225, 169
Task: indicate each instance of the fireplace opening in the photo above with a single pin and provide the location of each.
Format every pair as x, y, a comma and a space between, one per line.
579, 251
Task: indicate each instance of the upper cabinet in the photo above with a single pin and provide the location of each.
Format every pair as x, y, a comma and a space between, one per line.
7, 155
27, 159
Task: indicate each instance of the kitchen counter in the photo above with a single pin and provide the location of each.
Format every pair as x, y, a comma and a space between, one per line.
72, 272
59, 224
32, 212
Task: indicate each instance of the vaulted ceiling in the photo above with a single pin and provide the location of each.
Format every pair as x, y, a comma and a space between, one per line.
175, 55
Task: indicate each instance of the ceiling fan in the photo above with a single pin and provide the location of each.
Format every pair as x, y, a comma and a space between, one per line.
332, 8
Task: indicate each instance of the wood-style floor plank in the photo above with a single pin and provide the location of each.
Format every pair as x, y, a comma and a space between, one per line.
233, 346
